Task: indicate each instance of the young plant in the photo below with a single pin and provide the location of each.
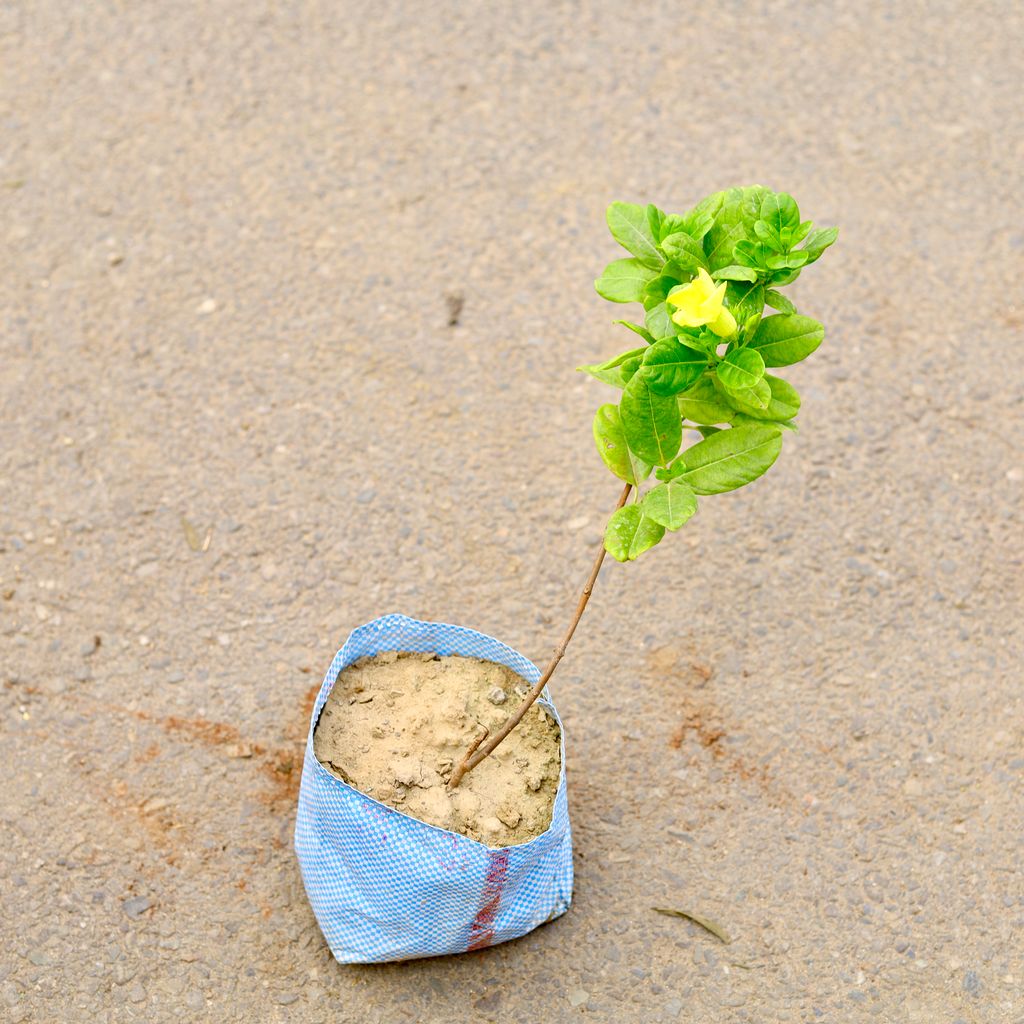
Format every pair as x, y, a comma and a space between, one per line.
703, 279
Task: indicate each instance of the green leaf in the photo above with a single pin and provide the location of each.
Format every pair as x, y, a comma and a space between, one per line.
790, 235
741, 369
751, 254
698, 221
783, 404
744, 420
728, 229
703, 404
657, 290
779, 211
698, 225
758, 396
787, 260
629, 367
734, 272
624, 281
731, 458
630, 533
611, 371
612, 447
651, 422
670, 367
778, 301
780, 277
769, 236
658, 321
734, 222
681, 274
631, 228
749, 327
636, 329
685, 251
669, 504
700, 338
655, 217
744, 299
786, 338
818, 241
670, 224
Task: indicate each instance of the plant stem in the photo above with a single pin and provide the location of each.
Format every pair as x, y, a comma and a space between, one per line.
474, 756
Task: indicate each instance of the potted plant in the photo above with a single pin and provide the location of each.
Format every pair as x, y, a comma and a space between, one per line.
432, 813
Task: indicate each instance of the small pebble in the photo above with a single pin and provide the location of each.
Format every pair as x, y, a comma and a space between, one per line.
510, 816
497, 696
123, 973
136, 906
578, 996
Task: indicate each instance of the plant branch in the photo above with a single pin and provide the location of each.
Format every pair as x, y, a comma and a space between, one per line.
474, 756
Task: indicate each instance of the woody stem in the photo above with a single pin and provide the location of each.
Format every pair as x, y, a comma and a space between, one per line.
478, 751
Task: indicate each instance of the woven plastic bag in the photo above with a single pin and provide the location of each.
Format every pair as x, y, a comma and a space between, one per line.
385, 886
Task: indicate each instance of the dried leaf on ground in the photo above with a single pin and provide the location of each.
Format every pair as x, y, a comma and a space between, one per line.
196, 541
704, 922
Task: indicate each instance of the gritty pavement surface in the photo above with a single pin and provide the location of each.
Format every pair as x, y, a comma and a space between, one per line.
236, 423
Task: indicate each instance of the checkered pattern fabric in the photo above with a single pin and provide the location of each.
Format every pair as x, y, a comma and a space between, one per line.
385, 886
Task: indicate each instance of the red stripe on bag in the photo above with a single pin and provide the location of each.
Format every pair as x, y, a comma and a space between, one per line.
481, 931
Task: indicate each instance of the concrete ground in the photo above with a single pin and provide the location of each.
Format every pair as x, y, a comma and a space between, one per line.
236, 423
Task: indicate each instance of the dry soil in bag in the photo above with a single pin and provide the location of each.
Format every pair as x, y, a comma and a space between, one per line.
396, 724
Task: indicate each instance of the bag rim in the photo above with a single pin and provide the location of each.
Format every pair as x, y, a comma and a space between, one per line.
548, 834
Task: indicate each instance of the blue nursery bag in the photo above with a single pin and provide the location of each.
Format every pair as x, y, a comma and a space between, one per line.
385, 886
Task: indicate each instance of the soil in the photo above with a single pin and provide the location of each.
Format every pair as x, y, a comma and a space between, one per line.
396, 723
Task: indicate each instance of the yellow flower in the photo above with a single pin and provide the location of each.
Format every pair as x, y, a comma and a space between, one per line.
700, 302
